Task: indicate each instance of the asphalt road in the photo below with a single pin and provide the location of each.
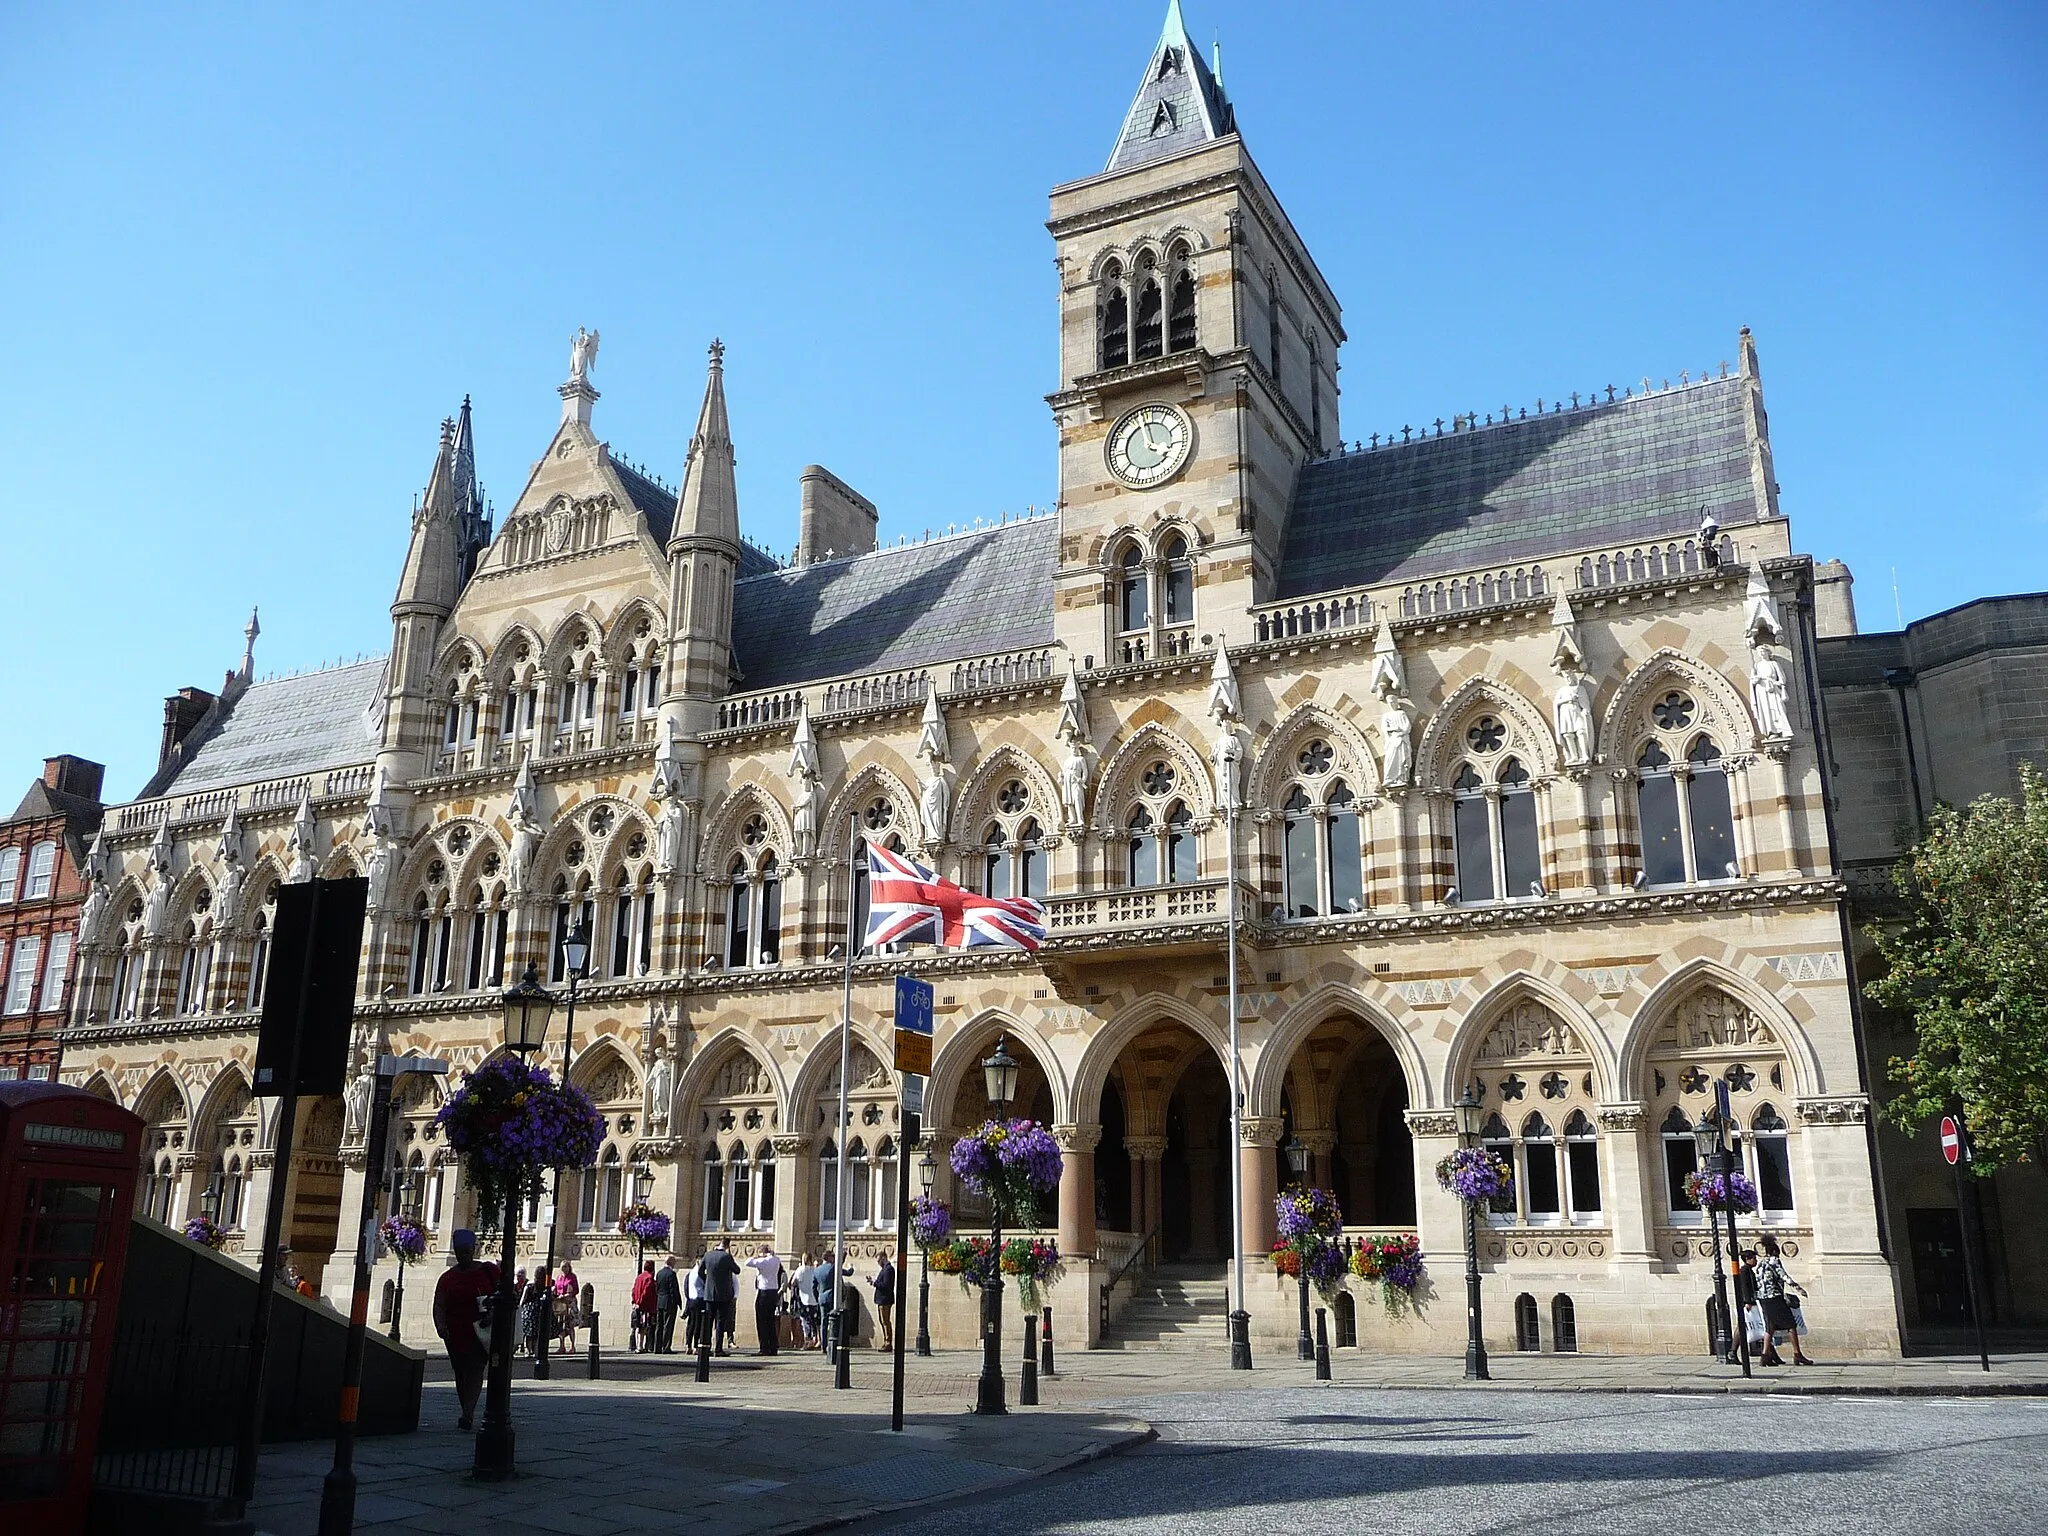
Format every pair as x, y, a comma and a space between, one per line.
1302, 1461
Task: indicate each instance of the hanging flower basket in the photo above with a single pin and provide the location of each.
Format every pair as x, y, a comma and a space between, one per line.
207, 1232
931, 1222
1286, 1261
404, 1238
1009, 1163
509, 1122
1718, 1191
1033, 1262
1310, 1223
645, 1223
1476, 1174
1392, 1260
946, 1258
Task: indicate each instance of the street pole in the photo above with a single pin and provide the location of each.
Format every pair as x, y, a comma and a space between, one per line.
1963, 1227
924, 1302
398, 1294
1475, 1334
1240, 1318
988, 1389
543, 1340
911, 1134
495, 1441
841, 1375
1734, 1259
1720, 1340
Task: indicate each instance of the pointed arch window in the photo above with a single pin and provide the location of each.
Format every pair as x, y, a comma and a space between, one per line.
1493, 825
1712, 816
1343, 842
1298, 840
1582, 1165
828, 1185
1657, 811
1180, 322
633, 926
1770, 1147
1495, 1136
570, 911
1180, 581
1134, 590
860, 1185
885, 1184
714, 1189
1116, 319
1543, 1193
1681, 1162
739, 1210
194, 964
259, 948
754, 914
1151, 317
1142, 864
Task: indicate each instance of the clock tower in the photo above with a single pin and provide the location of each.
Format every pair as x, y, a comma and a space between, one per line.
1198, 372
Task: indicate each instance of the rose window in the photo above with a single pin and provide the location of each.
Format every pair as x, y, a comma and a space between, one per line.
1159, 779
755, 832
1012, 798
1315, 758
1673, 712
1486, 735
878, 816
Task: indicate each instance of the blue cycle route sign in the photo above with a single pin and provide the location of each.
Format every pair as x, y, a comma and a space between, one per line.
913, 1026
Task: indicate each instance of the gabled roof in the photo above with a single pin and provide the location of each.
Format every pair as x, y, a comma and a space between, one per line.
1179, 106
286, 726
1522, 490
914, 605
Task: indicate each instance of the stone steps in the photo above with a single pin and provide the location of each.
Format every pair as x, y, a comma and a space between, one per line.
1174, 1308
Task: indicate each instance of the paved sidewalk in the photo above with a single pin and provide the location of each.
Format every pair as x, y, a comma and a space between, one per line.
769, 1447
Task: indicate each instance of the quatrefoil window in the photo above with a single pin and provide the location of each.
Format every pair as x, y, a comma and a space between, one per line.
458, 842
752, 1120
1673, 712
573, 854
872, 1115
1512, 1086
491, 862
636, 846
725, 1120
1693, 1080
1012, 798
1555, 1085
436, 872
1487, 734
204, 901
1740, 1078
755, 832
600, 821
1159, 779
1315, 758
878, 815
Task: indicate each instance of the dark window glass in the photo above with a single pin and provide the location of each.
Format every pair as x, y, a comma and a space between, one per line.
1298, 834
1180, 584
1713, 826
1180, 846
771, 913
1116, 330
1134, 609
1181, 326
1521, 853
1151, 316
1663, 852
1472, 828
1347, 861
1539, 1159
1144, 851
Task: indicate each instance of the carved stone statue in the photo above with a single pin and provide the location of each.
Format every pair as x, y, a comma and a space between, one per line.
1074, 784
1397, 734
524, 815
1574, 704
360, 1089
1229, 759
229, 851
661, 1088
582, 354
380, 864
933, 805
1767, 694
98, 872
305, 857
810, 807
668, 839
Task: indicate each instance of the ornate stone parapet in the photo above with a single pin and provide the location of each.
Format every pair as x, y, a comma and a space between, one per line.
1835, 1109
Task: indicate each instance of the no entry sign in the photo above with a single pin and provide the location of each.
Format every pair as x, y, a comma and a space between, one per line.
1951, 1139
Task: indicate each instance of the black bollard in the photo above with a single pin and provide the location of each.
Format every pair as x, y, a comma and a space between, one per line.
703, 1357
1045, 1346
842, 1358
1027, 1385
1322, 1345
593, 1345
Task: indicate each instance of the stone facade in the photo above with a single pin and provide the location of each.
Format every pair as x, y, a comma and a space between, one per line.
1512, 760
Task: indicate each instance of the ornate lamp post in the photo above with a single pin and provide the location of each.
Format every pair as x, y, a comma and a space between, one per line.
999, 1077
1469, 1108
1297, 1161
927, 1171
209, 1200
407, 1187
1716, 1161
575, 960
527, 1007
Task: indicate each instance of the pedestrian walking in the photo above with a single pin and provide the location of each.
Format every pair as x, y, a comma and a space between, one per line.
568, 1316
821, 1282
537, 1312
722, 1291
520, 1341
767, 1268
885, 1301
668, 1301
1772, 1284
643, 1308
462, 1299
805, 1281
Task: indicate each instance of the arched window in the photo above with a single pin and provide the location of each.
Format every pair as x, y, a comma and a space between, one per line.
1180, 863
764, 1186
1564, 1325
259, 947
714, 1189
422, 945
435, 1191
1142, 865
1493, 824
1116, 319
570, 911
42, 871
194, 964
1657, 810
1770, 1147
10, 873
739, 1210
603, 1192
1681, 1162
1543, 1196
1298, 840
885, 1184
876, 820
1134, 590
1495, 1136
159, 1187
1180, 324
739, 932
1685, 808
828, 1185
1713, 822
633, 925
1180, 582
860, 1191
1343, 843
754, 912
996, 862
1528, 1337
1151, 310
1582, 1165
1029, 864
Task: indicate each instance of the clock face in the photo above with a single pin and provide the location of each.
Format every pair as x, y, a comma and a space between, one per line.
1149, 445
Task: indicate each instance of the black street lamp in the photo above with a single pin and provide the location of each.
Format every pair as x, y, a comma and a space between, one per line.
407, 1188
527, 1007
1297, 1160
575, 961
1716, 1161
1468, 1108
927, 1171
999, 1077
209, 1200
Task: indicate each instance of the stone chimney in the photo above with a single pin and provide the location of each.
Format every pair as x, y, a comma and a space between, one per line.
834, 518
1834, 600
70, 775
182, 711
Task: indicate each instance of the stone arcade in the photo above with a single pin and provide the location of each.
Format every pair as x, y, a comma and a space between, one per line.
1520, 709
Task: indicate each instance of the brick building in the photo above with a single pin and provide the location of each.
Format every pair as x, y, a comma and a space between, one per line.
43, 854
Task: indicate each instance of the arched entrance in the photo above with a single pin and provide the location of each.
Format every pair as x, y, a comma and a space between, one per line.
1163, 1169
1347, 1100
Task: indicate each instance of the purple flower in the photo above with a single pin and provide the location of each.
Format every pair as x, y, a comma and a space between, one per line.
931, 1221
1476, 1174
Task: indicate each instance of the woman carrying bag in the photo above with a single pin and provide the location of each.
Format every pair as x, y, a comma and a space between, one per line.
1772, 1284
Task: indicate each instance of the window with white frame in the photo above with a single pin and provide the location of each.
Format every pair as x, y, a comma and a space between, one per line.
1770, 1162
632, 935
753, 908
739, 1188
195, 967
571, 910
1493, 820
487, 926
1683, 802
1707, 1039
55, 969
1160, 845
10, 873
1179, 572
1535, 1067
1134, 590
1013, 846
42, 872
21, 973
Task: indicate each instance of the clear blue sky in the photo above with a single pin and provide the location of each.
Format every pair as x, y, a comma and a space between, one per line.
252, 258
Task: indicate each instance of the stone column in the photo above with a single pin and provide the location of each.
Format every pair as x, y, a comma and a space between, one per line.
1320, 1145
1631, 1171
1439, 1220
795, 1194
1259, 1165
193, 1169
1581, 801
1778, 787
1145, 1153
339, 1279
256, 1205
1400, 862
1202, 1236
1077, 1188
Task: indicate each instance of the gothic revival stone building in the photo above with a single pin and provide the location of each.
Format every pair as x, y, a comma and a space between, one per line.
1513, 718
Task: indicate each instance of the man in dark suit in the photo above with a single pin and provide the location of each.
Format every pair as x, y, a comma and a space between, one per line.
668, 1300
722, 1276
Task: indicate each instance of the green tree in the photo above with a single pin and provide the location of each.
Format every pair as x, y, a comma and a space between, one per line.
1970, 965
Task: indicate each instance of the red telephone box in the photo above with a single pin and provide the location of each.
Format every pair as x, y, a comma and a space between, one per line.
68, 1163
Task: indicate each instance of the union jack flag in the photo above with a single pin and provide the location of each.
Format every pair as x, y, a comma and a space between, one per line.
908, 902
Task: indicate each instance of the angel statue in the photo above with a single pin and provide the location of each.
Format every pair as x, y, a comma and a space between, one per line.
582, 353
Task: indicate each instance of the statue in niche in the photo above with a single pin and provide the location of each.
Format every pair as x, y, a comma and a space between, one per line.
810, 807
98, 868
1767, 694
661, 1088
933, 805
1397, 734
1574, 704
668, 839
1074, 783
524, 814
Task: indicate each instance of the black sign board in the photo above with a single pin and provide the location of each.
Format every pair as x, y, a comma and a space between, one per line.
325, 916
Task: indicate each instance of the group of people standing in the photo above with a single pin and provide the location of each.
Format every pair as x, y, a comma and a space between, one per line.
789, 1305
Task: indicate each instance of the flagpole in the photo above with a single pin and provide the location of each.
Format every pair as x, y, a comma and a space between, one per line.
1240, 1319
840, 1350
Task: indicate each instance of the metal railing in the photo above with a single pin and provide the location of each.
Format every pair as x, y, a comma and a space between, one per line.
1131, 1261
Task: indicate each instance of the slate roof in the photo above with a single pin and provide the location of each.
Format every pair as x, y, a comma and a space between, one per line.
285, 726
1522, 490
1179, 106
909, 606
658, 505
